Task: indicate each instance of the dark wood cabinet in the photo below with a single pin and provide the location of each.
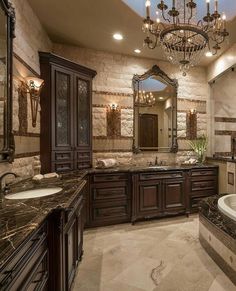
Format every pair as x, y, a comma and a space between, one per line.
28, 266
158, 194
66, 114
201, 183
174, 198
149, 199
110, 199
66, 243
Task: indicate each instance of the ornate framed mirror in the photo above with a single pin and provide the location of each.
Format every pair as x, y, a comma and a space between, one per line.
155, 112
7, 27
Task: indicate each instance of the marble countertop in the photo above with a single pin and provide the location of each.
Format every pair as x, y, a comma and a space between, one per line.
19, 218
209, 209
136, 169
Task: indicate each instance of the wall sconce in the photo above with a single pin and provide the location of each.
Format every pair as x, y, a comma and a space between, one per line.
191, 124
113, 121
113, 106
33, 87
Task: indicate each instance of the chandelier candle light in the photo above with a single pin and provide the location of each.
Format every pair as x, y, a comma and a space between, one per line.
182, 38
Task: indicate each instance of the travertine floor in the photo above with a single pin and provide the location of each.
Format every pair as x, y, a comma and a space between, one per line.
160, 255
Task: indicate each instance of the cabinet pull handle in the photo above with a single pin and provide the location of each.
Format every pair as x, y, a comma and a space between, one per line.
203, 173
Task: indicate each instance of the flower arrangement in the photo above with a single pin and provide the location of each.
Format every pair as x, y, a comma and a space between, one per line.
199, 146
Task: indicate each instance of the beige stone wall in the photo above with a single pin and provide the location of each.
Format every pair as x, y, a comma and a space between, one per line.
113, 84
223, 96
30, 38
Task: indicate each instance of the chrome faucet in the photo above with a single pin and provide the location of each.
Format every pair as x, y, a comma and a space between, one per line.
4, 188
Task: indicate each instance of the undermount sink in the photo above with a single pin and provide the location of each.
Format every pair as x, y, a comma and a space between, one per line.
35, 193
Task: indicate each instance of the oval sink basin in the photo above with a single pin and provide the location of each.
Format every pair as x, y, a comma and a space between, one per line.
35, 193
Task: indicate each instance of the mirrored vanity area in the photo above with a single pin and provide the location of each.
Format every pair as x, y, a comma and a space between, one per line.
7, 19
155, 112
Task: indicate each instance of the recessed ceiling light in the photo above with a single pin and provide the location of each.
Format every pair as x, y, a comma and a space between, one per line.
161, 98
137, 51
118, 36
208, 54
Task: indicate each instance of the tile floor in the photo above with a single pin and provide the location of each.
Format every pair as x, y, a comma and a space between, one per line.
159, 255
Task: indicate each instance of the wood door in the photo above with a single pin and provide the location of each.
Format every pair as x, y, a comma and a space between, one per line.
149, 198
173, 195
62, 116
82, 121
70, 243
148, 130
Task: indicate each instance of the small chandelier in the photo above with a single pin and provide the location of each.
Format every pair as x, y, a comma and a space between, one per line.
183, 38
145, 98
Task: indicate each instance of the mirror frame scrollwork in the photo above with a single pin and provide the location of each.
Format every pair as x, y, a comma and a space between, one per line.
7, 153
156, 71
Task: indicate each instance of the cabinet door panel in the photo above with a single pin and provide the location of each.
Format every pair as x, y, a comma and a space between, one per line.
150, 197
83, 109
70, 253
173, 195
62, 109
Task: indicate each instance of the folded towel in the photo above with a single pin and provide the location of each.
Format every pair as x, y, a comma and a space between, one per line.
38, 177
106, 163
51, 175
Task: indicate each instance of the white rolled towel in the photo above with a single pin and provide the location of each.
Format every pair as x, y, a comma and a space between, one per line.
106, 163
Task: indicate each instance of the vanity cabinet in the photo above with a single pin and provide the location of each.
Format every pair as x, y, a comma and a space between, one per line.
110, 199
66, 247
158, 194
201, 183
28, 267
66, 114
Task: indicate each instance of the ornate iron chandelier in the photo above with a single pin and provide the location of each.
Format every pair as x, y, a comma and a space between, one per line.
182, 37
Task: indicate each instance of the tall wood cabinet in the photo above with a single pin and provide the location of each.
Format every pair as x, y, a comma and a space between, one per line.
66, 114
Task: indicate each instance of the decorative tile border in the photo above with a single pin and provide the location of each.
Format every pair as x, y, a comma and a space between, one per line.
225, 119
107, 105
225, 132
186, 111
109, 138
27, 155
28, 134
113, 93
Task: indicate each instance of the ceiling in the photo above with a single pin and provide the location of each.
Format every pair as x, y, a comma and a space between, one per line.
86, 24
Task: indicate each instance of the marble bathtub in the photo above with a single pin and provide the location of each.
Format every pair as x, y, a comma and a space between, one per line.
217, 235
227, 205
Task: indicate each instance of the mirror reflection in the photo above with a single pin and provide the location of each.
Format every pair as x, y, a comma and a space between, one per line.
3, 74
154, 112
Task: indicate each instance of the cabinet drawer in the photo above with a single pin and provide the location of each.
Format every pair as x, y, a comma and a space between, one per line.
112, 192
20, 264
62, 156
86, 155
199, 185
62, 166
84, 164
38, 277
110, 177
160, 175
203, 172
110, 213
